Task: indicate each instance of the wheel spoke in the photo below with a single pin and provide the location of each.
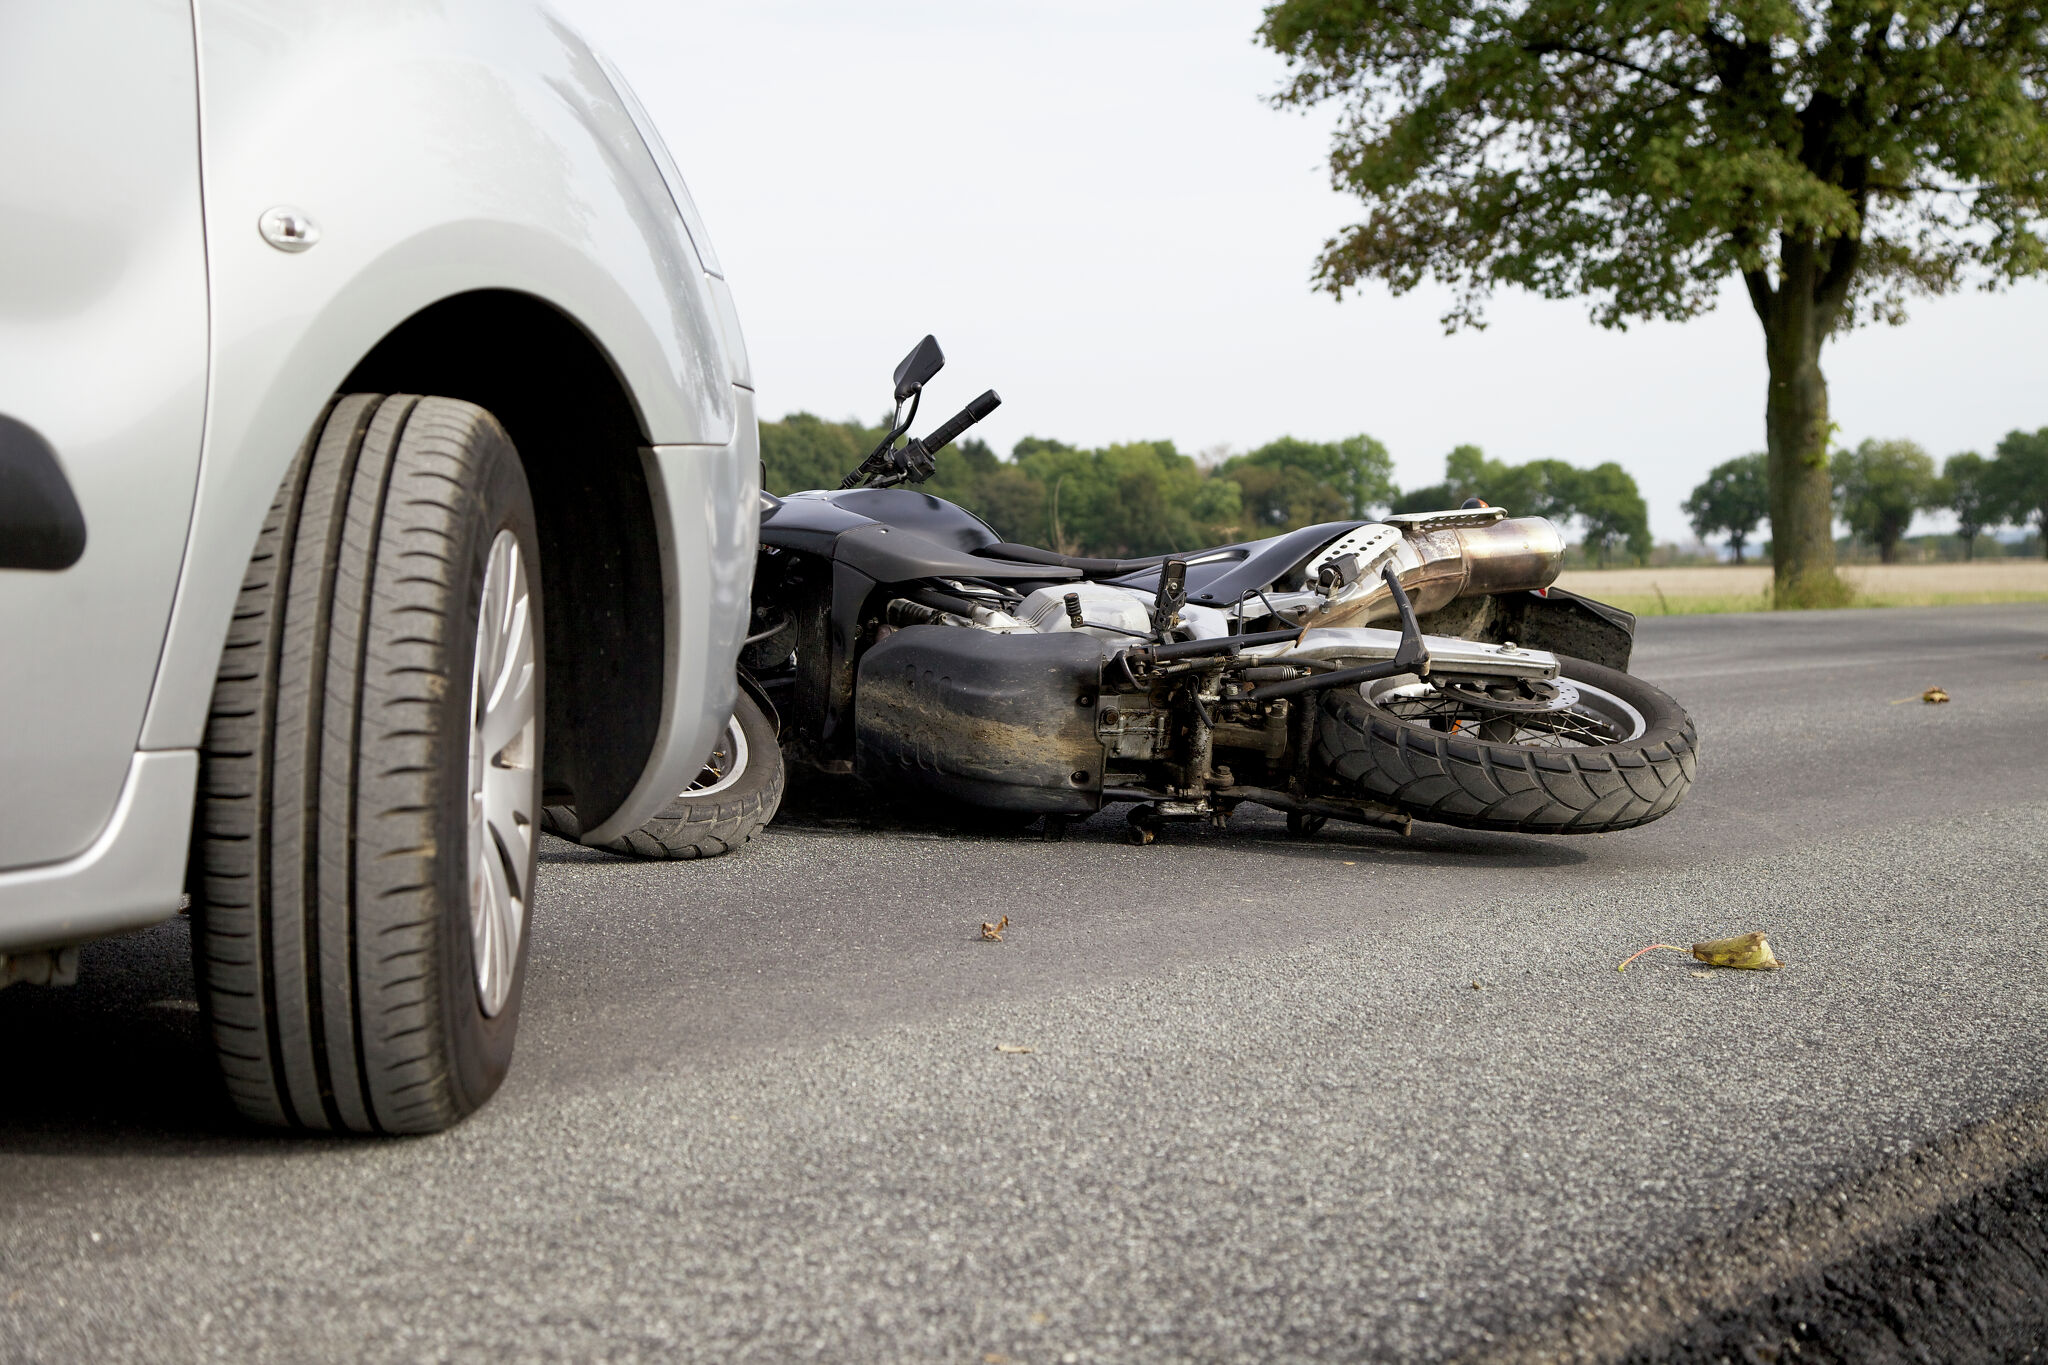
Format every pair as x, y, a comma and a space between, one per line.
727, 764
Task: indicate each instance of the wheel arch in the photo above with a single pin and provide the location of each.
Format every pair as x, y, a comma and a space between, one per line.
579, 434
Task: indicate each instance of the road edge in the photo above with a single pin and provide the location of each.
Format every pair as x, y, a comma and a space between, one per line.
1727, 1275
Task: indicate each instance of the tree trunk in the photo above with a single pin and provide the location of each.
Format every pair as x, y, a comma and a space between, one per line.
1735, 544
1797, 316
1802, 492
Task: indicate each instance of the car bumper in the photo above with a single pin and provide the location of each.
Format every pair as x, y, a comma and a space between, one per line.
132, 875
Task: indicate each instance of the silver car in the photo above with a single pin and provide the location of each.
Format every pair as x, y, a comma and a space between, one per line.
378, 464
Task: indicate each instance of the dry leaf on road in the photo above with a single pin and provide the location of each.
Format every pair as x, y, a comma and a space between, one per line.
1748, 952
1933, 696
994, 932
1751, 952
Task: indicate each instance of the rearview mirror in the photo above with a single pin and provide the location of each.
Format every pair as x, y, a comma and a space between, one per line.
924, 361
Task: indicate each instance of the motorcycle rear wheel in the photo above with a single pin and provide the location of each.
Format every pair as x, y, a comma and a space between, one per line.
1620, 754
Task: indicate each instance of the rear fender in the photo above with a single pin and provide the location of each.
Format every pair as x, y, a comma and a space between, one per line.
1556, 621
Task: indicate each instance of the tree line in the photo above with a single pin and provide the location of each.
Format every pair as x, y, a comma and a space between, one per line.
1879, 485
1148, 497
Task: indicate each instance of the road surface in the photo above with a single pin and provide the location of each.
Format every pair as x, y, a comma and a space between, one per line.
1358, 1097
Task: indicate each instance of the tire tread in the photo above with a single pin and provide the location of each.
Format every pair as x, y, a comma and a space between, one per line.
1440, 778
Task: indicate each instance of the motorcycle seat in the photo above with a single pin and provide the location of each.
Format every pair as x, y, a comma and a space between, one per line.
1094, 568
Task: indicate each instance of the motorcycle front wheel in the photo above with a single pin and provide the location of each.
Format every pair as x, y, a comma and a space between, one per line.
731, 801
1601, 751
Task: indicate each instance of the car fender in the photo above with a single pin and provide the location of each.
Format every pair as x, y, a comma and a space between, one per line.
438, 150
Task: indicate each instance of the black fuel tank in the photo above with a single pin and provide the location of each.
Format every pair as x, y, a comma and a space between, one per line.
1005, 722
933, 518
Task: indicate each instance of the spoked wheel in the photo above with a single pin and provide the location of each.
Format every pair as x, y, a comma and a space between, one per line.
1596, 750
732, 800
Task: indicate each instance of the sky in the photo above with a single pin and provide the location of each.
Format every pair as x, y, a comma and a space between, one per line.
1094, 206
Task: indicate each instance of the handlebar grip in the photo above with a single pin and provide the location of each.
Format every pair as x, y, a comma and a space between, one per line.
961, 420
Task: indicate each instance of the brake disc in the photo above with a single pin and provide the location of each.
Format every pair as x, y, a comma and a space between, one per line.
1539, 695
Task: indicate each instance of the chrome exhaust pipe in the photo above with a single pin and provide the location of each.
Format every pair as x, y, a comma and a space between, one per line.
1439, 557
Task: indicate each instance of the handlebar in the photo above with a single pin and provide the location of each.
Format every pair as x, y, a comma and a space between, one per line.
912, 461
960, 421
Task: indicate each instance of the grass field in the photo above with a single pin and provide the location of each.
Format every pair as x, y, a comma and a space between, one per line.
1717, 588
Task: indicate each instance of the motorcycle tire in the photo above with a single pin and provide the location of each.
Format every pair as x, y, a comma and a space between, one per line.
730, 802
1625, 754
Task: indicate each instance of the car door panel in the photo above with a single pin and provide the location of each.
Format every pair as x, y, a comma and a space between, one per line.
103, 336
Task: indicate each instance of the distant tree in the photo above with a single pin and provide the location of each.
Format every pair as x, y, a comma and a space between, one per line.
1732, 501
974, 476
1836, 155
1881, 485
1013, 504
2020, 475
1970, 491
1435, 497
1539, 488
1607, 500
802, 451
1357, 467
976, 453
1283, 497
1139, 498
1036, 445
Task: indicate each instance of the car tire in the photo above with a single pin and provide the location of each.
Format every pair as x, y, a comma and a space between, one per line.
733, 799
370, 778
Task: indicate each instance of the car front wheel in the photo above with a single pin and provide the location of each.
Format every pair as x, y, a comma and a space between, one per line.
370, 779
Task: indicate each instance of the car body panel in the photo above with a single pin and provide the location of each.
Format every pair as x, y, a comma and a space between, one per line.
131, 875
103, 325
439, 150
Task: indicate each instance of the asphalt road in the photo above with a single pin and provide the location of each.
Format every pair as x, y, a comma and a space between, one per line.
759, 1112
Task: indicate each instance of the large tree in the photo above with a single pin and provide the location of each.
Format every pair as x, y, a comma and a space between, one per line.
1833, 156
1882, 484
1731, 501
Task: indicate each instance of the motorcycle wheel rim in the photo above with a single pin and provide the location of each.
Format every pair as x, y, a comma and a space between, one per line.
727, 764
1595, 719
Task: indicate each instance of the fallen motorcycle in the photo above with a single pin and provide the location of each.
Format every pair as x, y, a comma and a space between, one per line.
1416, 668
